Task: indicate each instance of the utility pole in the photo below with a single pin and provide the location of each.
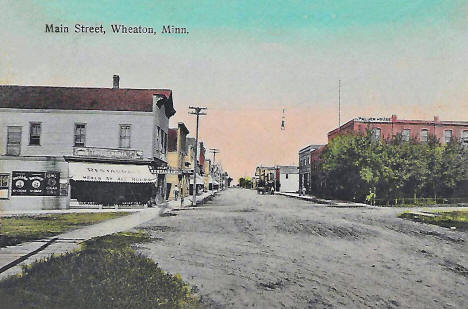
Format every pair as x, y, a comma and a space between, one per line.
214, 151
339, 104
196, 110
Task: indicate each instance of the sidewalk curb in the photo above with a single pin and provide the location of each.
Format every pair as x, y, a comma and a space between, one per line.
330, 203
27, 255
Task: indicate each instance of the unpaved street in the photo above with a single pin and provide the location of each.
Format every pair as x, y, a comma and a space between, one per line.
245, 250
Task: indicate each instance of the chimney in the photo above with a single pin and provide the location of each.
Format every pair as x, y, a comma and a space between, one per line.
436, 118
394, 118
115, 80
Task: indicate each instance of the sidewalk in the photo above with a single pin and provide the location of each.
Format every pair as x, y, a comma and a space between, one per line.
202, 198
9, 213
331, 203
26, 253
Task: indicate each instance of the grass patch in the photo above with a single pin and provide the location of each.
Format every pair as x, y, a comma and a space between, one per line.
458, 219
18, 229
105, 273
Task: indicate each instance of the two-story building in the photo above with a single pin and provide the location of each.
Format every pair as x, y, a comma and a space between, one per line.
62, 145
305, 167
176, 157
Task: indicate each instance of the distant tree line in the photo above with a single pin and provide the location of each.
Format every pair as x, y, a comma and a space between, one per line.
245, 182
358, 167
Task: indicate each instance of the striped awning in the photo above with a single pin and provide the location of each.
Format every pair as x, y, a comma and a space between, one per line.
104, 172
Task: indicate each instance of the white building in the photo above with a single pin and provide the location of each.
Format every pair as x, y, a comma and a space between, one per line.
288, 178
87, 145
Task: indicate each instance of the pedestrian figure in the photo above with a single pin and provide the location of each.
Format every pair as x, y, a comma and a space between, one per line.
176, 193
272, 190
303, 191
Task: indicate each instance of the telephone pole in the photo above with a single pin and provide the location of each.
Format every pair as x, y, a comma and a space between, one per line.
199, 111
214, 151
339, 104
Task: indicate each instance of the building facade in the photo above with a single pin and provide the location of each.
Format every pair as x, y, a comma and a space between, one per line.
419, 130
288, 178
176, 157
71, 145
305, 167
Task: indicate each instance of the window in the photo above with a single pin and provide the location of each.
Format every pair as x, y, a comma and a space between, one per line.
465, 137
158, 139
405, 135
13, 141
124, 141
4, 188
424, 135
35, 134
80, 134
376, 134
447, 136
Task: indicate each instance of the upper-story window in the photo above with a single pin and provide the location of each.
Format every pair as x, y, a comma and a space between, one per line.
405, 135
35, 133
80, 134
376, 132
424, 135
124, 141
13, 141
447, 136
465, 136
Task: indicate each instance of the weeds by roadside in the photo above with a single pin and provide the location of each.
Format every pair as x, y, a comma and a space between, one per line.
448, 219
105, 273
18, 229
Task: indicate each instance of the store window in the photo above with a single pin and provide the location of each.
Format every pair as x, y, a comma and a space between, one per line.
80, 134
405, 135
13, 141
4, 186
124, 136
35, 134
447, 136
424, 135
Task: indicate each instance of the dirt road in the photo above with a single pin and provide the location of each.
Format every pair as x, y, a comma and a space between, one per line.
243, 250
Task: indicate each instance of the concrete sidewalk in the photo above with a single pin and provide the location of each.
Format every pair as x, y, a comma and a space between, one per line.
28, 252
10, 213
202, 198
331, 203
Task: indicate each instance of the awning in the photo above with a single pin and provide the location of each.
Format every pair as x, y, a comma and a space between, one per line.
200, 180
215, 183
102, 172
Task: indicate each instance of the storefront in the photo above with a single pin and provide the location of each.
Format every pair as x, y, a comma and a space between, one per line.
200, 184
112, 184
33, 183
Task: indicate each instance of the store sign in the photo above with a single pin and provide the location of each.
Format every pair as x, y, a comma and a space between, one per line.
35, 183
107, 153
165, 170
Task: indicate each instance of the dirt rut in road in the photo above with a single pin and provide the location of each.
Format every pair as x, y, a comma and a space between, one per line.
243, 250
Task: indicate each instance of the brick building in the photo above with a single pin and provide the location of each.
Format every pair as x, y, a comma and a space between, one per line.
72, 145
305, 167
420, 130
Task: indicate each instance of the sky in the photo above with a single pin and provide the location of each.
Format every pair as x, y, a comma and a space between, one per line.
247, 60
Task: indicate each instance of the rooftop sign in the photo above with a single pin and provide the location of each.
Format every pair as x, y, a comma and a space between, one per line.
373, 119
